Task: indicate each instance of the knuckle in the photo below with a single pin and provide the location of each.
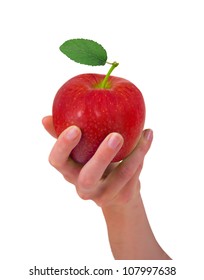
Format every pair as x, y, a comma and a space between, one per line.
68, 178
84, 196
54, 163
84, 182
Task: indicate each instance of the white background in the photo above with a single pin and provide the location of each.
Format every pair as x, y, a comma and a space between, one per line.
159, 45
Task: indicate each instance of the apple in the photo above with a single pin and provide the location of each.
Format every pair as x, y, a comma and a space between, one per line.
99, 105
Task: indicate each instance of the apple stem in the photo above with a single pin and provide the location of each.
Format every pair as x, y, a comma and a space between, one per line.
113, 66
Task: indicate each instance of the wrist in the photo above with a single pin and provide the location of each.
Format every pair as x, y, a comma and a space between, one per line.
119, 213
130, 234
125, 202
121, 221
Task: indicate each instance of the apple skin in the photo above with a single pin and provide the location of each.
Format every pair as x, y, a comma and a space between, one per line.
97, 112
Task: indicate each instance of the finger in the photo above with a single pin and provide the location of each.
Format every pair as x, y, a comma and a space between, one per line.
124, 172
59, 156
127, 168
109, 169
93, 171
48, 125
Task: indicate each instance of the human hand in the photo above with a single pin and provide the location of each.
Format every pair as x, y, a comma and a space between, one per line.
100, 180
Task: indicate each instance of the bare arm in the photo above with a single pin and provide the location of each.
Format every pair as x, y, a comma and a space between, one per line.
130, 235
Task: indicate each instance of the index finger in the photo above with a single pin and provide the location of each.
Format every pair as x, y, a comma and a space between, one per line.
60, 154
93, 171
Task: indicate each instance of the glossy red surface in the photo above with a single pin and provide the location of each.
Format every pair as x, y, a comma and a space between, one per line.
98, 112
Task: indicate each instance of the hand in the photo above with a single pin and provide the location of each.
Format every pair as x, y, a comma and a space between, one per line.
100, 180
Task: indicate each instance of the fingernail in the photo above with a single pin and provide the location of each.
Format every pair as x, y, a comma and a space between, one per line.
114, 141
148, 134
72, 133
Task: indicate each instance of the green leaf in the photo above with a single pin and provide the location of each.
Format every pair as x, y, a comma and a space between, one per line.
84, 51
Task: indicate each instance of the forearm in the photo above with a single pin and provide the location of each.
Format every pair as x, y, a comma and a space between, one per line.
130, 234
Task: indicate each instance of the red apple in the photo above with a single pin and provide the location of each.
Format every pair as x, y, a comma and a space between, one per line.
119, 107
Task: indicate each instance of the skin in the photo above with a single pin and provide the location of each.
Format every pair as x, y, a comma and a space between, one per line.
115, 187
